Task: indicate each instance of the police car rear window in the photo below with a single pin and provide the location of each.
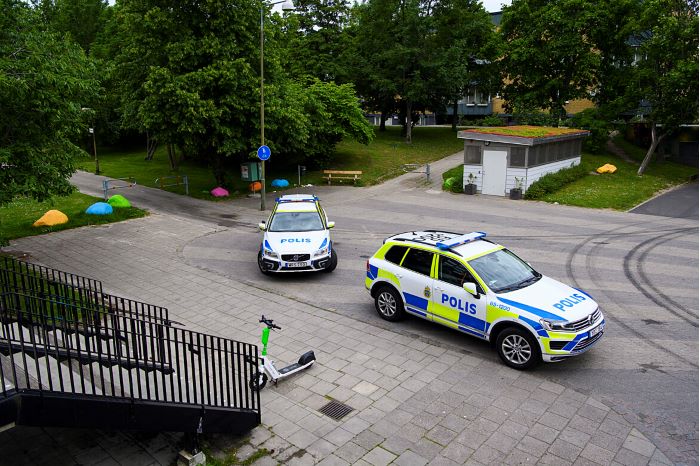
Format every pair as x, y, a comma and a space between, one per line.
419, 261
395, 254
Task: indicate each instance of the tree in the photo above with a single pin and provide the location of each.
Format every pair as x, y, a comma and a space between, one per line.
317, 40
666, 76
82, 20
193, 82
549, 56
399, 60
469, 48
45, 80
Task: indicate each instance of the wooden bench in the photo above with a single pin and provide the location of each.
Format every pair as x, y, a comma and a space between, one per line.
353, 175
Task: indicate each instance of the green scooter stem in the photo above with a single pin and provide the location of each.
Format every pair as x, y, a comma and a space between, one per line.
264, 339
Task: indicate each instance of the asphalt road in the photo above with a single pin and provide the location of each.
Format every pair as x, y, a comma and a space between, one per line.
680, 202
642, 269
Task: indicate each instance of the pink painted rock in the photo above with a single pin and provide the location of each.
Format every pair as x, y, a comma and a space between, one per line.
219, 192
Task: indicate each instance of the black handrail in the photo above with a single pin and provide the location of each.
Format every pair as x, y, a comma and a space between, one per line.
37, 280
151, 362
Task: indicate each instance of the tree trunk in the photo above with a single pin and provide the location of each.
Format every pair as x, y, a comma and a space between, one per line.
172, 156
409, 121
454, 115
219, 172
151, 146
654, 143
382, 122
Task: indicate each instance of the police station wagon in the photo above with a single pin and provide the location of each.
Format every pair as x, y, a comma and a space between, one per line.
297, 237
480, 288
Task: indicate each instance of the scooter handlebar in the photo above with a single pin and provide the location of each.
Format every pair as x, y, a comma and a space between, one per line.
269, 323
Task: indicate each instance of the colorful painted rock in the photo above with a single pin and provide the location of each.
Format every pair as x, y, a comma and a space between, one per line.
119, 201
279, 183
51, 218
219, 192
255, 186
99, 208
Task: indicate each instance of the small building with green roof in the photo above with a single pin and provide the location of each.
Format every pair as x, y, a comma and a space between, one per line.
497, 159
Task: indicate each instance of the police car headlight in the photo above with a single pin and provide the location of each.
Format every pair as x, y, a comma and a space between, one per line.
321, 252
271, 254
554, 325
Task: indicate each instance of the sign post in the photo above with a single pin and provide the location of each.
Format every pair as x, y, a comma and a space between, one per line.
263, 154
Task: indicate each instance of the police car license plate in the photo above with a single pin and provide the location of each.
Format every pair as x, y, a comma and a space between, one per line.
596, 331
293, 265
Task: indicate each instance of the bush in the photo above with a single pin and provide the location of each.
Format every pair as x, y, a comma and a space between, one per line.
452, 179
552, 182
591, 120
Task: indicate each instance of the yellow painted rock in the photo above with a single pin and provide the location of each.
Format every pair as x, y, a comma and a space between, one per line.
607, 168
50, 218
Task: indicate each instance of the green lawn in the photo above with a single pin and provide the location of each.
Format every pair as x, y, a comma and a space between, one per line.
623, 189
380, 160
18, 216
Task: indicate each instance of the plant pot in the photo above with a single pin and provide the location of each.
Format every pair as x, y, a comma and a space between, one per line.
516, 193
469, 189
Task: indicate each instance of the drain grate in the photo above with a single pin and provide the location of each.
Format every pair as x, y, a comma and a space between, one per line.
336, 410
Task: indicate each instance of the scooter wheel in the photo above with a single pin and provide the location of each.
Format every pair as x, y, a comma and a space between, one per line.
259, 382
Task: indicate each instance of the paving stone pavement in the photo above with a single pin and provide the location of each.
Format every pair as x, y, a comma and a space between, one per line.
414, 402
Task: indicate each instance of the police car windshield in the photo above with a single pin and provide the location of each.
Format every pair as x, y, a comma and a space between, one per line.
503, 271
296, 221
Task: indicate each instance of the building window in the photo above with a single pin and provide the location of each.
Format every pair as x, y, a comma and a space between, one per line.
517, 156
472, 155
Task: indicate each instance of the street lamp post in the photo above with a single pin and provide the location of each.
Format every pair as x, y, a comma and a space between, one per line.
262, 98
91, 130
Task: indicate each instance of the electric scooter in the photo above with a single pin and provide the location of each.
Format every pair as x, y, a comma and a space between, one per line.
267, 366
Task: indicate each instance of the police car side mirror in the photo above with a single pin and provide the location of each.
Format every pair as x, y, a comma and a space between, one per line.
470, 287
330, 224
262, 226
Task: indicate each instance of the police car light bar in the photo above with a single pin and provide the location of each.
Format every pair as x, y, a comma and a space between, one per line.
288, 198
459, 240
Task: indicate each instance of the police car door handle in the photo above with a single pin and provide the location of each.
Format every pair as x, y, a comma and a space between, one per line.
438, 288
399, 275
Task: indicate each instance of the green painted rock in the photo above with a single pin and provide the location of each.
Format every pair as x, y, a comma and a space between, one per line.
119, 201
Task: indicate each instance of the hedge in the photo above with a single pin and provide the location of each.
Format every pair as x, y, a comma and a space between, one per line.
552, 182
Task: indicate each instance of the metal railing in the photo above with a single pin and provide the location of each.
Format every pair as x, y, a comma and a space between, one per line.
140, 361
117, 183
71, 289
176, 180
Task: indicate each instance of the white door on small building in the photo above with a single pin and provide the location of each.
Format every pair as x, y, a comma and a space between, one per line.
494, 172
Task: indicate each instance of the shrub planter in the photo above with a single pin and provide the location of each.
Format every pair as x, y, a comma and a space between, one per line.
516, 193
469, 189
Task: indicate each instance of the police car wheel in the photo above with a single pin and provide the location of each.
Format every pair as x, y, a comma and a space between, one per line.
518, 349
332, 263
389, 304
261, 265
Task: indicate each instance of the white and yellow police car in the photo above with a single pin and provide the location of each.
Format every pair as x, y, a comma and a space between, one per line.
480, 288
297, 237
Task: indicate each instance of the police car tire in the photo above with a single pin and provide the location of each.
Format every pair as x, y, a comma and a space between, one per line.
518, 336
333, 263
257, 384
261, 266
386, 295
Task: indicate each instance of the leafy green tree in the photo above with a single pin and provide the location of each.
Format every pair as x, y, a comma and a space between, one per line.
81, 19
665, 78
549, 54
397, 55
45, 80
191, 72
317, 40
469, 48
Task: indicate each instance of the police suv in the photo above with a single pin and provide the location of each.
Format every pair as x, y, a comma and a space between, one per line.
297, 237
480, 288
